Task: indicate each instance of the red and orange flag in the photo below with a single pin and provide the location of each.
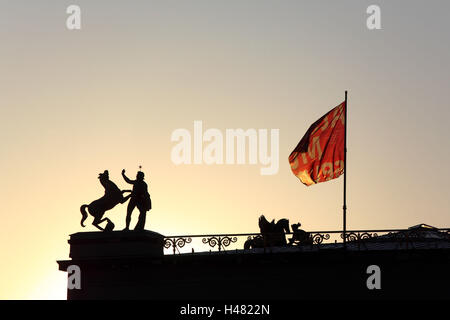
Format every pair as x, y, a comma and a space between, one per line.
319, 156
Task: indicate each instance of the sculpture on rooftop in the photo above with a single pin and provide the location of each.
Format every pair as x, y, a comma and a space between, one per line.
140, 198
97, 208
300, 236
272, 234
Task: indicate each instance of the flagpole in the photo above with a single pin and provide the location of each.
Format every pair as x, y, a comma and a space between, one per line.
344, 207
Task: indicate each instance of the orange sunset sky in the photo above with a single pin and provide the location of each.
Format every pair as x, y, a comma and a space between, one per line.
109, 96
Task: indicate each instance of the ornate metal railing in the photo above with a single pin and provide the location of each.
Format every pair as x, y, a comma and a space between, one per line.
313, 239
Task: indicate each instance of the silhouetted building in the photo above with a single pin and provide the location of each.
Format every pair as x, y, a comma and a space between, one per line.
413, 263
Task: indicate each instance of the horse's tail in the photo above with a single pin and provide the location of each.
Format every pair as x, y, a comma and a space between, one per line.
84, 213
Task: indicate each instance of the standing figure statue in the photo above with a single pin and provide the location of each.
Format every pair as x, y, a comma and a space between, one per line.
140, 198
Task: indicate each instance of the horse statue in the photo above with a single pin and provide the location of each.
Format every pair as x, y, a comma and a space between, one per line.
272, 234
97, 208
300, 236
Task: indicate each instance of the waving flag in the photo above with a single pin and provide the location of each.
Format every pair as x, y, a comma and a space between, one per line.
319, 156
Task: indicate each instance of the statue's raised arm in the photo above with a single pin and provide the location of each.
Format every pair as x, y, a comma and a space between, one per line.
126, 178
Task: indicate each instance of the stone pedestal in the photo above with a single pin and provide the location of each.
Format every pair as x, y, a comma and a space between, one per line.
112, 264
116, 244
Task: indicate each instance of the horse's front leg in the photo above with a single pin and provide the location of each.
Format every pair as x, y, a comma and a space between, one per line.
124, 199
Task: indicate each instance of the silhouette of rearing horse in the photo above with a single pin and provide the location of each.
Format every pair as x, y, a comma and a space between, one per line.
97, 208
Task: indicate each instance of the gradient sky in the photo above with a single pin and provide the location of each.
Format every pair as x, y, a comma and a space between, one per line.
74, 103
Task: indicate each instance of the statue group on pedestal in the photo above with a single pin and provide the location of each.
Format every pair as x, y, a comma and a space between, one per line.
138, 196
274, 234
